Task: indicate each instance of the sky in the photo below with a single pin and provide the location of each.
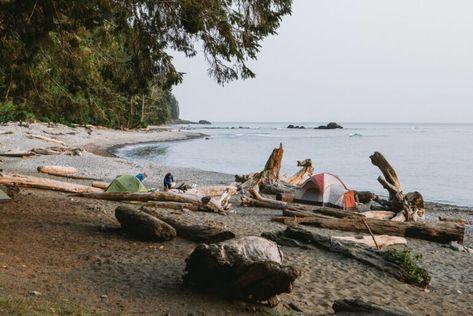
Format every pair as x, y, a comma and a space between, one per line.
348, 61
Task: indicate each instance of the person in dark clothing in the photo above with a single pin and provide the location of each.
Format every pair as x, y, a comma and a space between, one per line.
168, 180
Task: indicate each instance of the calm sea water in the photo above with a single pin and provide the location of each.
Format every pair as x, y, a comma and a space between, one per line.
435, 159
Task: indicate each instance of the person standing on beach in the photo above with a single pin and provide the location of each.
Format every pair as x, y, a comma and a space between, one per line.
142, 176
168, 181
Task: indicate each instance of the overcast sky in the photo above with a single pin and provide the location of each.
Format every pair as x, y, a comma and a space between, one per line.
349, 61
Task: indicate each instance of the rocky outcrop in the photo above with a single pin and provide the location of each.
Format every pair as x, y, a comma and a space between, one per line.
331, 125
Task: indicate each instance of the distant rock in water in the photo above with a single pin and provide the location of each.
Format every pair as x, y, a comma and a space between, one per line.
204, 122
331, 125
295, 126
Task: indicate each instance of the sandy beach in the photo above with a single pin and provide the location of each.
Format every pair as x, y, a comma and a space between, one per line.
61, 253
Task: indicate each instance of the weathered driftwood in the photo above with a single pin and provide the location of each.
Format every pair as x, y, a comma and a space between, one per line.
411, 205
386, 215
194, 232
361, 307
214, 191
48, 139
45, 151
381, 240
206, 204
452, 220
295, 236
46, 184
58, 170
143, 225
100, 184
173, 206
306, 171
6, 132
245, 268
301, 209
442, 232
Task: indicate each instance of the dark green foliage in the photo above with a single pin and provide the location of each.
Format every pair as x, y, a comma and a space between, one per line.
95, 61
409, 268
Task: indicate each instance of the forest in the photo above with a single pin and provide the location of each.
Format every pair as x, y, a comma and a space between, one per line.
110, 63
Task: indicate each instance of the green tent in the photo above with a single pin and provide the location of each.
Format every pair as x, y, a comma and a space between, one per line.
4, 197
126, 184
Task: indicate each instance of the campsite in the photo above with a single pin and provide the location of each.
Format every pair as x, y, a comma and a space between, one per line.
113, 246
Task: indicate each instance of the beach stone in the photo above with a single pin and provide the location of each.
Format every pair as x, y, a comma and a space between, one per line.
34, 293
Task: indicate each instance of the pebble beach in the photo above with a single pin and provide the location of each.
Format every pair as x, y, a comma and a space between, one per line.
68, 249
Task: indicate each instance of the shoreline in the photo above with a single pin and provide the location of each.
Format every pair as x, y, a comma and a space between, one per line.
72, 252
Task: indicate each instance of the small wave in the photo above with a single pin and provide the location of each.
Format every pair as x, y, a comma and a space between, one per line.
355, 135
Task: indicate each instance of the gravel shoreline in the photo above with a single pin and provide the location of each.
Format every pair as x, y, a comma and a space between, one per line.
67, 254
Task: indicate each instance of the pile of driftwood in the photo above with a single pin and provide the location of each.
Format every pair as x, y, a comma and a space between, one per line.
401, 214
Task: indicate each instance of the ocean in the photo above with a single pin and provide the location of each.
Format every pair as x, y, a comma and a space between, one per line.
434, 159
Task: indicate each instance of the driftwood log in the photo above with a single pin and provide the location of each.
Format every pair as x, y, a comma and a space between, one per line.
46, 184
65, 172
410, 206
295, 236
46, 151
299, 209
194, 232
362, 307
246, 268
205, 204
100, 184
143, 225
269, 180
47, 139
442, 232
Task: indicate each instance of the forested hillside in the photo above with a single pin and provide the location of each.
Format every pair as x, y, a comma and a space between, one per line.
109, 62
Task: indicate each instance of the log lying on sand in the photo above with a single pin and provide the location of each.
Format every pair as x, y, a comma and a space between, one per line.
301, 209
100, 184
48, 139
246, 268
205, 204
58, 170
361, 307
410, 206
381, 240
381, 260
143, 225
46, 151
442, 232
194, 232
65, 172
46, 184
215, 190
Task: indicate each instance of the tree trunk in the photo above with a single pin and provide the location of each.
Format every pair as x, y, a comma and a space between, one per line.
203, 204
442, 232
360, 307
293, 236
143, 225
46, 184
245, 268
100, 185
194, 232
411, 205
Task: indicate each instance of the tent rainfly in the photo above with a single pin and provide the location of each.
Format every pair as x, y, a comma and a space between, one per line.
126, 183
4, 197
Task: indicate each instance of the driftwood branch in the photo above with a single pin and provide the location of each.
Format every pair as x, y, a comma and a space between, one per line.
293, 236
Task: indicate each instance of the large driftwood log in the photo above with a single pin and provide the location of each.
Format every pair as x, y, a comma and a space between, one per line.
143, 225
295, 236
411, 205
302, 210
205, 204
245, 268
214, 191
100, 184
194, 232
361, 307
442, 232
46, 184
45, 151
65, 172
